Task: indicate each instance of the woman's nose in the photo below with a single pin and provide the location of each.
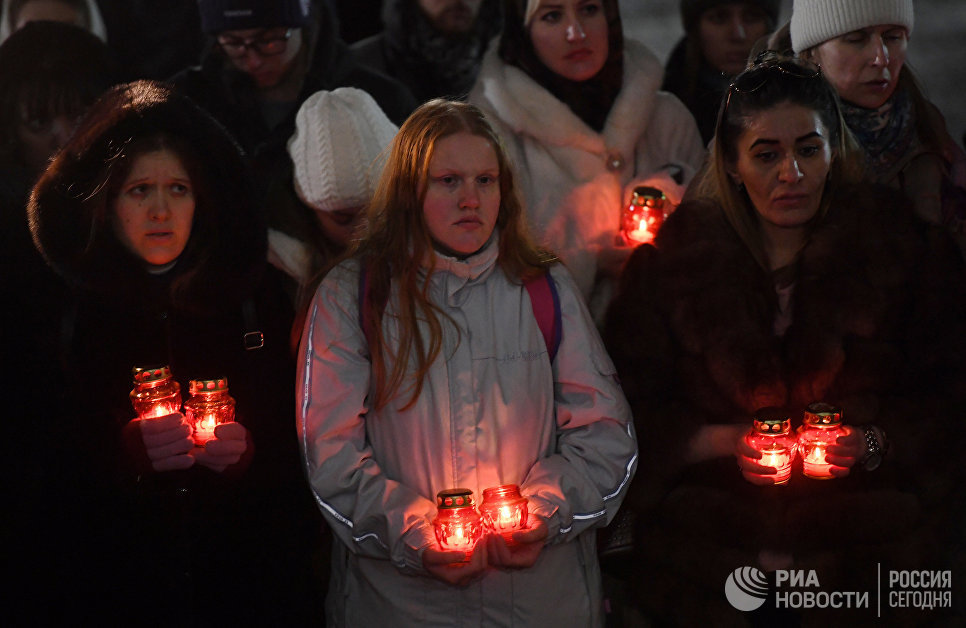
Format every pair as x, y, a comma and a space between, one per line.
575, 32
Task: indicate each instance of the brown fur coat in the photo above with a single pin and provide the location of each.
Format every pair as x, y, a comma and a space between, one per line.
878, 314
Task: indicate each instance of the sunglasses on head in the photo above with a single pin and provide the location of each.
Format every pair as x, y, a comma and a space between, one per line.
767, 65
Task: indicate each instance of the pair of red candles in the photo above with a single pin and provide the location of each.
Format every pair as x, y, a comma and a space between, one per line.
458, 525
157, 394
772, 436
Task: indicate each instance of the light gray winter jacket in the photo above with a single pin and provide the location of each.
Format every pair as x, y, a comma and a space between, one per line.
492, 411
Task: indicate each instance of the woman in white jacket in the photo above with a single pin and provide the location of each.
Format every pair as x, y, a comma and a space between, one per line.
580, 110
445, 379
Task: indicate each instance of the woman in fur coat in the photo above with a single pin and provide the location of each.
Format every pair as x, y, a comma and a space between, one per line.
781, 284
147, 215
580, 111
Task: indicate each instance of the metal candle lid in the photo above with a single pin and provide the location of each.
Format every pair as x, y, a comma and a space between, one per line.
772, 420
150, 374
821, 414
208, 385
455, 498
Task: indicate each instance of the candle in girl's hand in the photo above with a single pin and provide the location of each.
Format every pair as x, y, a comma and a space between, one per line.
156, 393
820, 429
457, 524
771, 435
504, 510
209, 406
643, 216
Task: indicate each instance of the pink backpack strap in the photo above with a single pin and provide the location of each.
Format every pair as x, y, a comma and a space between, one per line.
546, 309
543, 299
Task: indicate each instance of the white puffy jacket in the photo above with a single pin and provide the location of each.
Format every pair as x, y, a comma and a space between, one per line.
573, 198
492, 411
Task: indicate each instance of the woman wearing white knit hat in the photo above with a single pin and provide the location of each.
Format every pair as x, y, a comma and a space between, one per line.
861, 48
337, 156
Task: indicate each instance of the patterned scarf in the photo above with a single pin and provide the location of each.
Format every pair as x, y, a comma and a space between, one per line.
442, 65
886, 133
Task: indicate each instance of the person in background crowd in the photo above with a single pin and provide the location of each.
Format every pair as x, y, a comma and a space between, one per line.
147, 214
424, 366
434, 47
83, 13
355, 18
861, 46
338, 150
779, 284
153, 39
580, 111
50, 73
718, 37
267, 57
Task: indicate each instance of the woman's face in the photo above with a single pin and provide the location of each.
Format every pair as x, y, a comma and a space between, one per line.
155, 207
570, 37
727, 32
339, 224
783, 160
462, 199
41, 138
864, 65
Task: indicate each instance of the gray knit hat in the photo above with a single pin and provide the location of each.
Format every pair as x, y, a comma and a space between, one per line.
817, 21
691, 10
338, 148
229, 15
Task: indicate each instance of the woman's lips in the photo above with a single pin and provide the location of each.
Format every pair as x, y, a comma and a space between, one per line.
579, 55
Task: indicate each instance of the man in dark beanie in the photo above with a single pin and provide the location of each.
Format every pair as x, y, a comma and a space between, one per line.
718, 37
263, 59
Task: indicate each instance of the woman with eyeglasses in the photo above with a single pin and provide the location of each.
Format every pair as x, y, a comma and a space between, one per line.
780, 283
861, 46
580, 111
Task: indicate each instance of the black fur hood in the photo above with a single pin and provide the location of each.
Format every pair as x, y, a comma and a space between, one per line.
70, 216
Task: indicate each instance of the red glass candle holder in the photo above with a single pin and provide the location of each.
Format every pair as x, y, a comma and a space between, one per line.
210, 405
644, 215
457, 524
821, 427
771, 434
504, 510
155, 393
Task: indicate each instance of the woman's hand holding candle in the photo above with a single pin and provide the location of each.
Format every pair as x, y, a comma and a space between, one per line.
167, 441
526, 547
753, 468
229, 444
846, 451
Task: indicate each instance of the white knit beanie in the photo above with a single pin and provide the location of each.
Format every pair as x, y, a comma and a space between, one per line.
817, 21
338, 148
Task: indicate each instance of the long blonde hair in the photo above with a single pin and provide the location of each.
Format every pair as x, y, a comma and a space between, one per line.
395, 244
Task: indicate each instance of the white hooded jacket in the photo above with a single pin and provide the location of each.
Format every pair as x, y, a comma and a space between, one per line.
493, 410
573, 198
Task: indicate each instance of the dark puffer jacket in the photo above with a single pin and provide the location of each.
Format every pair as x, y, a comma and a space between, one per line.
878, 315
190, 547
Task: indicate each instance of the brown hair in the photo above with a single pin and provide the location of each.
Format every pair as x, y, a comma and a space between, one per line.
395, 244
777, 86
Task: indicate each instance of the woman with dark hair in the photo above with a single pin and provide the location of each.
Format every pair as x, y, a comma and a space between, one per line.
147, 214
718, 38
579, 109
783, 283
425, 366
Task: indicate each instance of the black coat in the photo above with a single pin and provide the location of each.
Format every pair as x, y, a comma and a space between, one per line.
878, 315
124, 544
